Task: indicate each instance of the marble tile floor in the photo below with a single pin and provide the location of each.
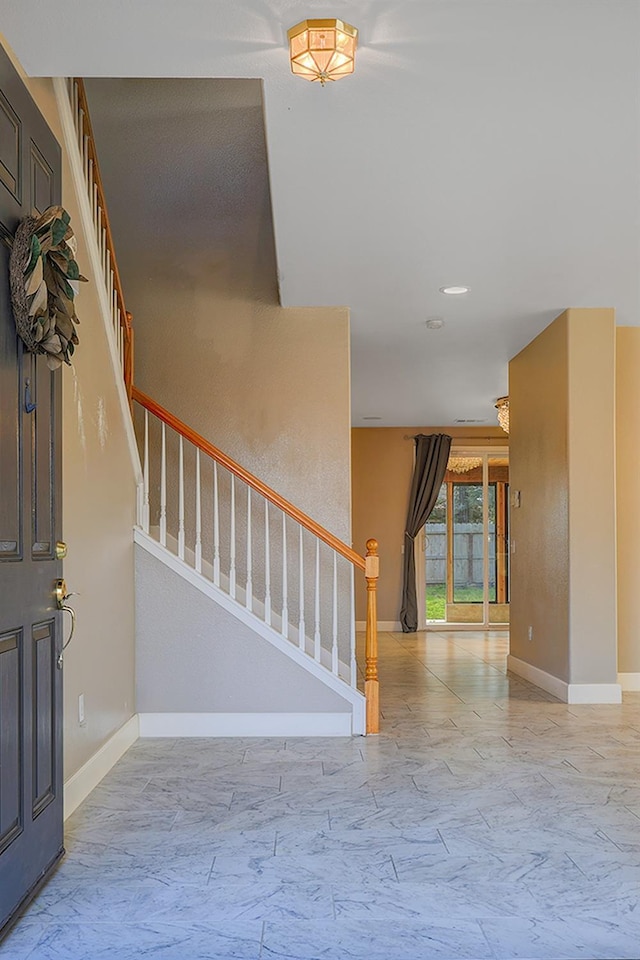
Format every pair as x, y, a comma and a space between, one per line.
487, 820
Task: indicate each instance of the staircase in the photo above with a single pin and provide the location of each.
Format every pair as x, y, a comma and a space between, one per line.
231, 552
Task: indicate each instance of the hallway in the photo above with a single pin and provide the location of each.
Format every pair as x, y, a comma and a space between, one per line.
487, 820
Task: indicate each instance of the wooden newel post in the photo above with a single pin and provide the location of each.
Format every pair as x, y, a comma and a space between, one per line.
371, 685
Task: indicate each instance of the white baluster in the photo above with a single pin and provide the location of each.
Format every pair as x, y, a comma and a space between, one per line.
267, 567
80, 128
198, 515
181, 501
354, 665
248, 599
110, 282
163, 487
145, 475
216, 528
232, 539
85, 158
115, 311
74, 101
105, 254
96, 212
285, 573
301, 626
316, 630
91, 191
334, 645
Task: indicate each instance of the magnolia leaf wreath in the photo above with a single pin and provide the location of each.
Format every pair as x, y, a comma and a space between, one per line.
42, 269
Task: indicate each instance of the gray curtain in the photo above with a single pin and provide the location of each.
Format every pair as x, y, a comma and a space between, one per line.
432, 454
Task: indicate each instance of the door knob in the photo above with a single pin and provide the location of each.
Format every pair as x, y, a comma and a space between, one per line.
61, 550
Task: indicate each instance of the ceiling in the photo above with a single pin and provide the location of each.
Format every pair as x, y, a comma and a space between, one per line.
490, 143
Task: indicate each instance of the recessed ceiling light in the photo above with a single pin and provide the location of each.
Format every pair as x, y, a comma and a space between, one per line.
454, 291
372, 418
435, 323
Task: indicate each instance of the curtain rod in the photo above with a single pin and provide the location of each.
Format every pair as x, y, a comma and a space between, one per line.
408, 436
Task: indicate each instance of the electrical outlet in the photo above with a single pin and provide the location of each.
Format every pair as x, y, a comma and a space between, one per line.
530, 634
81, 717
513, 546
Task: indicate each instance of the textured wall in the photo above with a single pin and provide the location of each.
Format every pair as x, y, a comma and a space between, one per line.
98, 517
562, 458
190, 205
194, 657
592, 495
539, 469
628, 471
382, 467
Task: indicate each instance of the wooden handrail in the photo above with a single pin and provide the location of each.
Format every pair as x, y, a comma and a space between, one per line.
208, 448
125, 317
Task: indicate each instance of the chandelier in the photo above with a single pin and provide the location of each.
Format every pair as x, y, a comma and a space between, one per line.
322, 49
502, 406
463, 464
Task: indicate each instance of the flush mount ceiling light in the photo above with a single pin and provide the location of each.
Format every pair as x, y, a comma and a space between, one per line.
502, 406
435, 323
454, 291
322, 49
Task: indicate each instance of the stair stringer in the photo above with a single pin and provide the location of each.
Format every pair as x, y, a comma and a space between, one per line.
256, 604
348, 693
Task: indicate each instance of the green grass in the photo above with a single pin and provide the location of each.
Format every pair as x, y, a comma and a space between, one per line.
437, 599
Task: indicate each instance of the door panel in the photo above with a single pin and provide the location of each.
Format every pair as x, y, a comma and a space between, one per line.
11, 740
10, 149
44, 714
43, 181
30, 523
43, 493
10, 432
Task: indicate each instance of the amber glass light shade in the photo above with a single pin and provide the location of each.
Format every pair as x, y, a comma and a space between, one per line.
463, 464
502, 406
322, 49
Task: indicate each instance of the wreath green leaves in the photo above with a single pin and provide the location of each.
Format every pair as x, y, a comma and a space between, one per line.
42, 269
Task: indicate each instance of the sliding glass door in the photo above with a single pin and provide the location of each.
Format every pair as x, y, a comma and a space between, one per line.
466, 544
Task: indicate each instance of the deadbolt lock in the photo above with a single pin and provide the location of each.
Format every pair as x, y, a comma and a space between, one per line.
60, 593
61, 550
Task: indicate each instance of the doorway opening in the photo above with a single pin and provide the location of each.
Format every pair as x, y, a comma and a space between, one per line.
463, 561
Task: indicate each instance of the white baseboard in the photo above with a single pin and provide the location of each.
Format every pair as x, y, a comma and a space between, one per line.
384, 626
78, 787
567, 692
246, 725
546, 681
629, 681
595, 693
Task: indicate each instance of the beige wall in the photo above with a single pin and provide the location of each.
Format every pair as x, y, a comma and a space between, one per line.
98, 516
269, 386
194, 235
627, 484
592, 500
539, 469
382, 467
562, 460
